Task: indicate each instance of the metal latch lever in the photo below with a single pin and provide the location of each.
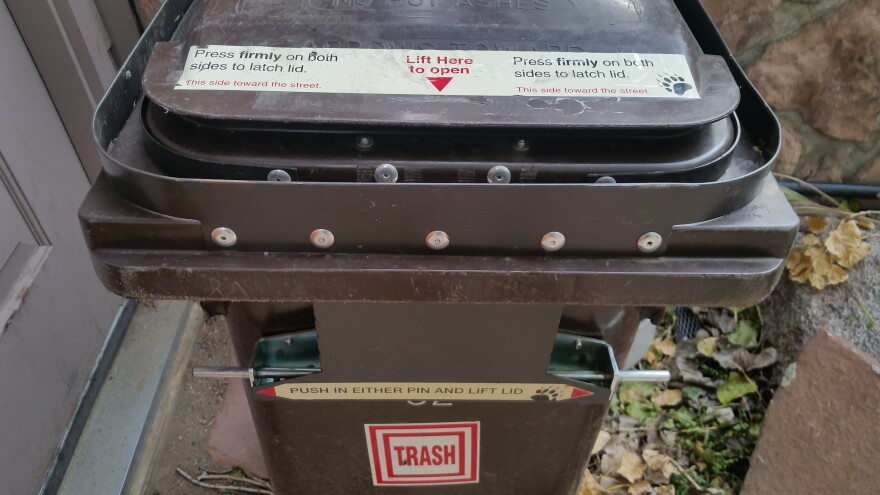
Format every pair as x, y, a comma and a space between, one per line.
280, 373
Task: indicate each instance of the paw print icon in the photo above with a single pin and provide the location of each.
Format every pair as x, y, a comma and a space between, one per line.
546, 394
674, 84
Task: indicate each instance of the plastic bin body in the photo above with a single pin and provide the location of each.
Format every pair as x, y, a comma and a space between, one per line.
495, 314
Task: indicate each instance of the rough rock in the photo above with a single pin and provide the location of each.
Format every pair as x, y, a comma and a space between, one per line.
792, 148
871, 173
831, 166
742, 22
748, 25
233, 440
794, 312
830, 72
821, 434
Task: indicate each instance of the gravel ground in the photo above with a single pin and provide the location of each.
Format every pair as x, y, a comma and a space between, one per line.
194, 415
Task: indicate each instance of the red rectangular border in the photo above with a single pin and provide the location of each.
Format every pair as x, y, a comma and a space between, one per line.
374, 431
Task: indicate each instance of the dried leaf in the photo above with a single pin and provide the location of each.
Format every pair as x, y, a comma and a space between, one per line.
669, 437
671, 397
631, 467
686, 365
735, 387
866, 223
734, 357
799, 266
589, 485
666, 346
721, 319
816, 225
666, 490
611, 458
721, 415
651, 356
631, 392
639, 488
706, 347
825, 272
814, 265
601, 442
845, 244
810, 240
659, 462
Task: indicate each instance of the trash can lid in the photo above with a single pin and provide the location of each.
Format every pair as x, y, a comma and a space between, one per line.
506, 64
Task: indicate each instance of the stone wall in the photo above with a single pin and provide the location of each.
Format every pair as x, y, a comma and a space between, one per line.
818, 63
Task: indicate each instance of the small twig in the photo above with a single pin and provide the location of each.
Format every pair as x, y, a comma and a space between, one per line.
211, 471
222, 487
227, 477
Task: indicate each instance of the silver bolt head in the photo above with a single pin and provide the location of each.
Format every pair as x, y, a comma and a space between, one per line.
498, 174
521, 145
224, 237
364, 142
606, 180
650, 242
437, 240
552, 241
278, 176
386, 174
322, 238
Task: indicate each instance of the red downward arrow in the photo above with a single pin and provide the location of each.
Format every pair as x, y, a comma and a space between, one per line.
440, 82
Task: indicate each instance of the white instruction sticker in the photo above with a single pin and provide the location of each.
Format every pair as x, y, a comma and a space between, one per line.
437, 72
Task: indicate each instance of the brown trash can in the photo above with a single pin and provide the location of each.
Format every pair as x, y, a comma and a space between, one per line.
434, 226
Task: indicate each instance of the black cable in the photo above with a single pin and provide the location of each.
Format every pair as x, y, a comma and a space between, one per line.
835, 189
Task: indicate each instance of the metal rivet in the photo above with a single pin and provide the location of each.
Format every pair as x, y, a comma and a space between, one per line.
552, 241
364, 142
437, 240
224, 237
606, 180
521, 145
650, 242
499, 175
322, 238
278, 176
386, 173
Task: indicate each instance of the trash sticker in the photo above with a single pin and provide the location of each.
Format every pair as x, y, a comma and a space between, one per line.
424, 453
512, 392
437, 72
